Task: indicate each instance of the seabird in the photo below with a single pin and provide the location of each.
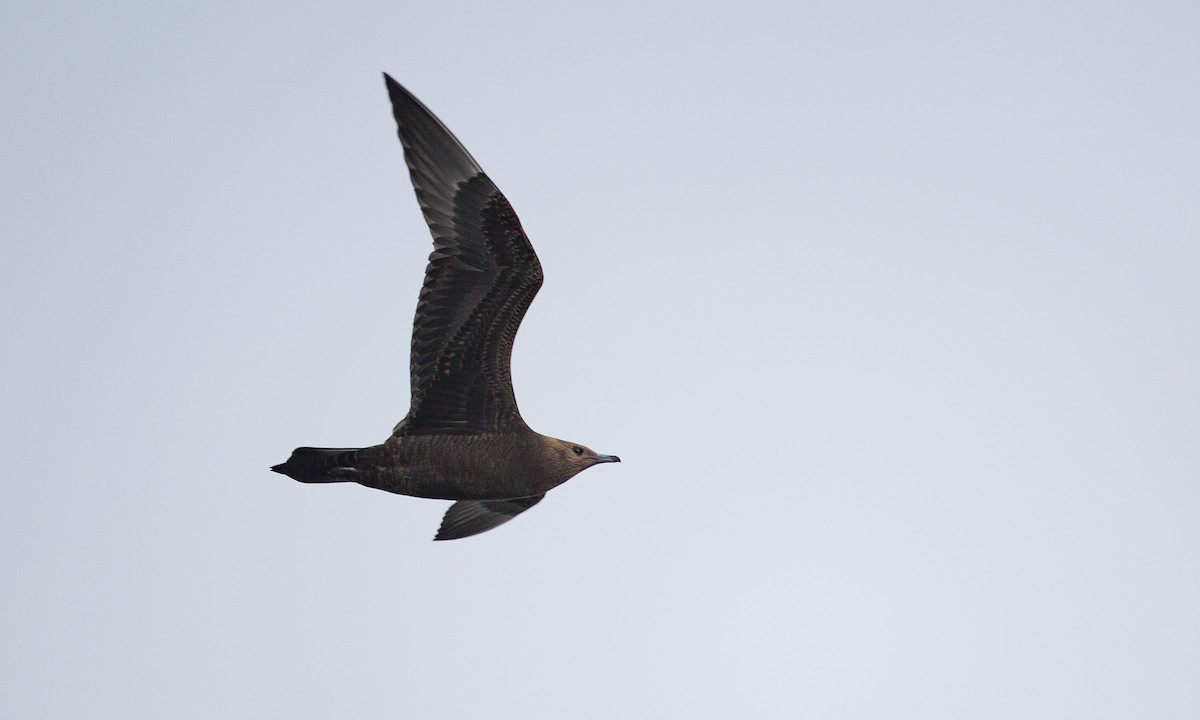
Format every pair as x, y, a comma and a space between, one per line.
463, 438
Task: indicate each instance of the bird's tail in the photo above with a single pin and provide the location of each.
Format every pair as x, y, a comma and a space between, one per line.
321, 465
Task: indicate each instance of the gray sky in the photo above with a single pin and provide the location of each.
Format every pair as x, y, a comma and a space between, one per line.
890, 311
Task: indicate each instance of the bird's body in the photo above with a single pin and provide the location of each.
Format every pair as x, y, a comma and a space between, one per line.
463, 438
486, 466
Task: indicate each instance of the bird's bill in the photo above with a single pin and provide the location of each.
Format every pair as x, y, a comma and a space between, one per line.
607, 458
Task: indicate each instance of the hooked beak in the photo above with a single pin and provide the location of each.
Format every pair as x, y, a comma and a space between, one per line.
607, 458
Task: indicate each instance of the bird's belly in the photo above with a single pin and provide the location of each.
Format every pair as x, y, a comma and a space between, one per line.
426, 471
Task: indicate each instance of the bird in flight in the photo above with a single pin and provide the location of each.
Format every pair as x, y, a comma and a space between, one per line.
463, 438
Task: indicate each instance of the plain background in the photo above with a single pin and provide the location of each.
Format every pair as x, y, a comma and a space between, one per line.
890, 310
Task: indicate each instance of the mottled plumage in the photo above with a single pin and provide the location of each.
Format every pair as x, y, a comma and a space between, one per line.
463, 438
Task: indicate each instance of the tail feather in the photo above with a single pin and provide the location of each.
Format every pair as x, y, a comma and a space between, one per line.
321, 465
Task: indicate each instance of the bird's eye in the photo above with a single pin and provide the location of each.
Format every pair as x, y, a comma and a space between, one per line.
577, 450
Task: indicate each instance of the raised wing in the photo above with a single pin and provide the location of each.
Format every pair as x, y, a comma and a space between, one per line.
471, 517
481, 278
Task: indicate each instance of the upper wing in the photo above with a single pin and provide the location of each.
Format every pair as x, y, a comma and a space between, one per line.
481, 278
471, 517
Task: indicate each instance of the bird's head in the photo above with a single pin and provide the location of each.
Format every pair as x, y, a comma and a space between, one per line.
569, 458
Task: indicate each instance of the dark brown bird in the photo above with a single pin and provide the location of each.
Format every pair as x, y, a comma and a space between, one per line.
463, 438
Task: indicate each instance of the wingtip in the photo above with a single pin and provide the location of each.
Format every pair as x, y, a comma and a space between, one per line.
444, 533
394, 88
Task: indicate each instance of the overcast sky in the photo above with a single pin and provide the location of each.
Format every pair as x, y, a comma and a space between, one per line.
892, 311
